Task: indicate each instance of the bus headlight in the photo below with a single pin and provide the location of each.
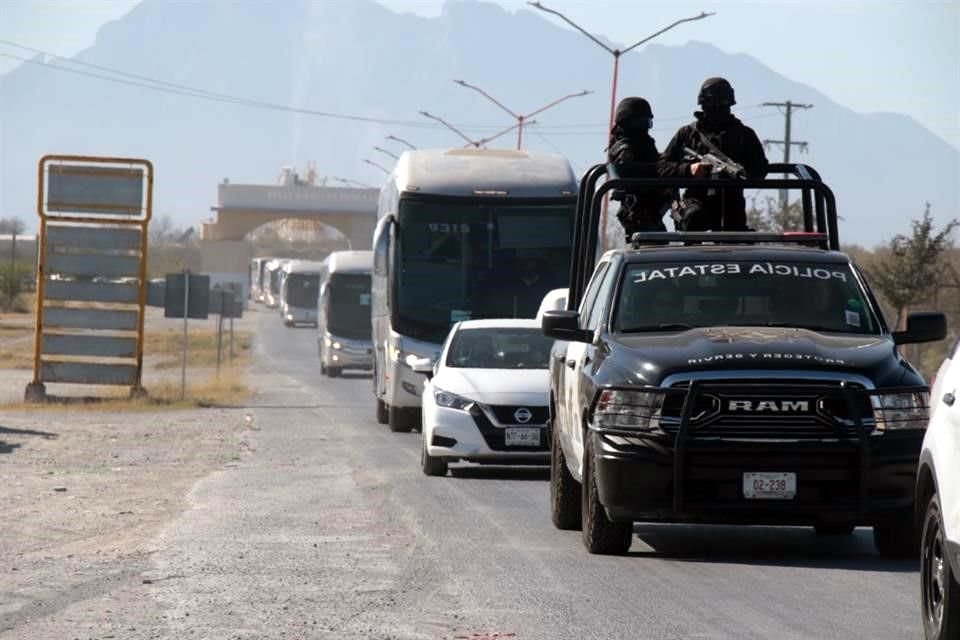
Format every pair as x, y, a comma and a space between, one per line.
333, 344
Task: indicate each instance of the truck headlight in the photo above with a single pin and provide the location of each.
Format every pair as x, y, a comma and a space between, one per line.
900, 411
627, 409
451, 400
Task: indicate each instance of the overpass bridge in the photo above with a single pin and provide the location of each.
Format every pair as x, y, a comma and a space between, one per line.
241, 208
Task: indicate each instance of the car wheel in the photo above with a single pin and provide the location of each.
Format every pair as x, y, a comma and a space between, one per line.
896, 538
334, 372
600, 534
397, 421
382, 414
564, 490
431, 465
834, 529
940, 592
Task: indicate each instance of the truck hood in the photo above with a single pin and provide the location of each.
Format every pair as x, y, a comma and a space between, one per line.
649, 357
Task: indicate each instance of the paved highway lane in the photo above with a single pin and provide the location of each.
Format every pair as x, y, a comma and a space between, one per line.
329, 530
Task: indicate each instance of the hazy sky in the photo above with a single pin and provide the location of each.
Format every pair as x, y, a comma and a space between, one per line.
871, 55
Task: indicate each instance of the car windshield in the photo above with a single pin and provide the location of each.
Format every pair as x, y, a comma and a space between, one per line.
676, 296
499, 348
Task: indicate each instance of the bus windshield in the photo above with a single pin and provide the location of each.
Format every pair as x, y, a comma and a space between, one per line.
302, 290
348, 306
463, 260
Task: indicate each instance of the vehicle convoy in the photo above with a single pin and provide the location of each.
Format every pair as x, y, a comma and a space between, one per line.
343, 312
487, 398
938, 506
461, 234
299, 284
257, 280
731, 378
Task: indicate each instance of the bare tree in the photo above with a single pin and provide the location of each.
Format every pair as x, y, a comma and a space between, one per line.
910, 272
770, 217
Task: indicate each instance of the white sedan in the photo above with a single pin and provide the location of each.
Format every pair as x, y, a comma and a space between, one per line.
487, 399
938, 503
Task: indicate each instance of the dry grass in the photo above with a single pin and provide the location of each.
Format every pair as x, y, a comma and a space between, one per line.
229, 389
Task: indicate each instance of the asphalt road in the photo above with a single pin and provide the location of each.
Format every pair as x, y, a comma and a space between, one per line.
331, 531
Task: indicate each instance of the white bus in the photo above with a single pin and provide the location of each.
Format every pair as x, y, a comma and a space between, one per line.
271, 282
461, 234
299, 286
257, 282
343, 313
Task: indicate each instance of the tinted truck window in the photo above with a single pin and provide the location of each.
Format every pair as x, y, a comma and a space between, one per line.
665, 296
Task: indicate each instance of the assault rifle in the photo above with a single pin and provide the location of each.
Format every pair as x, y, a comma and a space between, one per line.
718, 163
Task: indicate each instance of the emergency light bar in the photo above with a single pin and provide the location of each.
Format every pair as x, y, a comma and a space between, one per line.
807, 238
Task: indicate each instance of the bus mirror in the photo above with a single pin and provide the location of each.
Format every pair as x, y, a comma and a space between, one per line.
564, 325
420, 365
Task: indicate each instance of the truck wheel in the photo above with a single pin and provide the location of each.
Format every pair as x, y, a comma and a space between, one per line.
382, 414
940, 591
398, 421
564, 490
600, 534
431, 465
833, 529
896, 538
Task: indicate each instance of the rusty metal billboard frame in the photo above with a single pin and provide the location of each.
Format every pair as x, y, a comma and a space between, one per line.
95, 215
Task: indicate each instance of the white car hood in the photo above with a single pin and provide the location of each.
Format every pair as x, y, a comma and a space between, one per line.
496, 386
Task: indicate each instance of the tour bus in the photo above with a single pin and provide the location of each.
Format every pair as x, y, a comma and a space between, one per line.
271, 282
300, 282
461, 234
257, 282
343, 313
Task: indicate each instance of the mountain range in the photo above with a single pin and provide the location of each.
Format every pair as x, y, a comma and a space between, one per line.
361, 59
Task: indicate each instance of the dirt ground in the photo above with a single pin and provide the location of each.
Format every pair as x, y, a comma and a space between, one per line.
86, 487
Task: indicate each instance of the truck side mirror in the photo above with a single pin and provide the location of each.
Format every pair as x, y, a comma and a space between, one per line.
564, 325
922, 327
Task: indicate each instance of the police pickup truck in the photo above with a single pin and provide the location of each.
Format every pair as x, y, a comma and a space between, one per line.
731, 378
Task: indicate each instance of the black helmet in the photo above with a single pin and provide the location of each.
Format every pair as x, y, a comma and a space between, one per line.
634, 114
718, 91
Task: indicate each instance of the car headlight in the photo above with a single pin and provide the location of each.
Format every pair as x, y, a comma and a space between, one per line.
900, 411
451, 400
627, 409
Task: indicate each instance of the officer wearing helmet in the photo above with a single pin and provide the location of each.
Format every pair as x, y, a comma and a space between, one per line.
715, 128
635, 153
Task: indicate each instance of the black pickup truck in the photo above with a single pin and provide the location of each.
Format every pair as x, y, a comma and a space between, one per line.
731, 378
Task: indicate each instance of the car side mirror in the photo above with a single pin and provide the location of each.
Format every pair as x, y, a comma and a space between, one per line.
564, 325
421, 365
922, 327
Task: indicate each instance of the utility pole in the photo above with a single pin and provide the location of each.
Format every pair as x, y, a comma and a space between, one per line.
787, 141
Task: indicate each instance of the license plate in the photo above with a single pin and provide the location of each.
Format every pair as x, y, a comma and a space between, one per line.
517, 437
769, 486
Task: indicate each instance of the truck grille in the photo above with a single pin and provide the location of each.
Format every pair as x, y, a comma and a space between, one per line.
765, 409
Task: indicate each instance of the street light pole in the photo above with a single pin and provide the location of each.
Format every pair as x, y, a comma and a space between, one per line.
387, 152
401, 141
349, 182
519, 117
616, 53
378, 166
471, 142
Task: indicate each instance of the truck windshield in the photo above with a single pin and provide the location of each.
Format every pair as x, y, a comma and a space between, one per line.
675, 296
499, 348
302, 290
463, 260
348, 306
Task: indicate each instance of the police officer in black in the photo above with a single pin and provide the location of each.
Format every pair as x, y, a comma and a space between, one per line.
715, 129
635, 153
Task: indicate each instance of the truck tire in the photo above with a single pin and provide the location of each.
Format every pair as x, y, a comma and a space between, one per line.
431, 465
398, 420
600, 534
564, 490
897, 538
383, 416
940, 590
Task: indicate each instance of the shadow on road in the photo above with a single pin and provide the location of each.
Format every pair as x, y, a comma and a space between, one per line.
501, 473
8, 447
356, 375
768, 546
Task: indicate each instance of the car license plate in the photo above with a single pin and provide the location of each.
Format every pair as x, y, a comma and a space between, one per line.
769, 486
518, 437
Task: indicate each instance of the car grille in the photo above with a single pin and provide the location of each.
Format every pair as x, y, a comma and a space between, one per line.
495, 436
507, 414
765, 409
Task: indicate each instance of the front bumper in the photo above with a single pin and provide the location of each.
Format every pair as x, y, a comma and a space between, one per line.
350, 355
296, 315
474, 436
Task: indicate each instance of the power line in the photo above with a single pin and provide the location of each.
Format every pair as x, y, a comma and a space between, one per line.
786, 143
